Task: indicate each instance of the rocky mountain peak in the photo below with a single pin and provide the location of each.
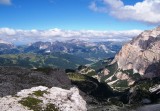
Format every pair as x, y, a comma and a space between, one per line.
140, 53
146, 38
154, 33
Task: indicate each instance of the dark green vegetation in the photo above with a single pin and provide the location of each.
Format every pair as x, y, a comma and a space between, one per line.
145, 84
31, 60
92, 73
91, 86
51, 107
86, 70
31, 103
123, 84
35, 104
131, 74
100, 91
112, 70
141, 90
39, 93
101, 64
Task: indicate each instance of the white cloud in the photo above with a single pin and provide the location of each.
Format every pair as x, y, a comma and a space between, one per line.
96, 8
27, 36
7, 31
146, 11
5, 2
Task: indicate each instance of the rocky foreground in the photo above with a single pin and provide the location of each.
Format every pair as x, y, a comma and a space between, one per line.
44, 99
42, 89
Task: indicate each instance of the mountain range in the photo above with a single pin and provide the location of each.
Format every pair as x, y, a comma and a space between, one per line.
61, 54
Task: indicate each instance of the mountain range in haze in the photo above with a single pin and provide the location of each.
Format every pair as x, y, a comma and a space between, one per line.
66, 54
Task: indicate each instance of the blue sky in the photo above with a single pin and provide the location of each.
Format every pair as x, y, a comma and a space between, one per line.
63, 14
31, 20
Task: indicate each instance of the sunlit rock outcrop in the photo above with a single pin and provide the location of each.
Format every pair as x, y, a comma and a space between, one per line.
44, 98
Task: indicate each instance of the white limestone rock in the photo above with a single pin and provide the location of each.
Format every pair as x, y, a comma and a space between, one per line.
64, 100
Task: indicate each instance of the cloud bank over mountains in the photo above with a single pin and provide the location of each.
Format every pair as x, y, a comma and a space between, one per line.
28, 36
146, 11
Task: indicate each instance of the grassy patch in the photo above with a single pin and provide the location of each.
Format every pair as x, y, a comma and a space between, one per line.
34, 104
134, 76
51, 107
31, 103
112, 68
92, 73
39, 93
101, 64
121, 83
76, 77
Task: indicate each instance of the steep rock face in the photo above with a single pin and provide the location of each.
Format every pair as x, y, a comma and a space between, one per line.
140, 53
44, 98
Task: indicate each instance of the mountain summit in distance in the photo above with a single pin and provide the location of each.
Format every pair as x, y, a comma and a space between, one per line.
60, 54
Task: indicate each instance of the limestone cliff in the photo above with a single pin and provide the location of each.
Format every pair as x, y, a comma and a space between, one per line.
141, 53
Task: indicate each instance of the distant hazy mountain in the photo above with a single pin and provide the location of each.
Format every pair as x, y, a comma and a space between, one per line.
7, 48
62, 54
5, 45
88, 50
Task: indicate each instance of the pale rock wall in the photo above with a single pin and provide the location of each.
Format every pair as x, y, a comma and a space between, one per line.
141, 52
